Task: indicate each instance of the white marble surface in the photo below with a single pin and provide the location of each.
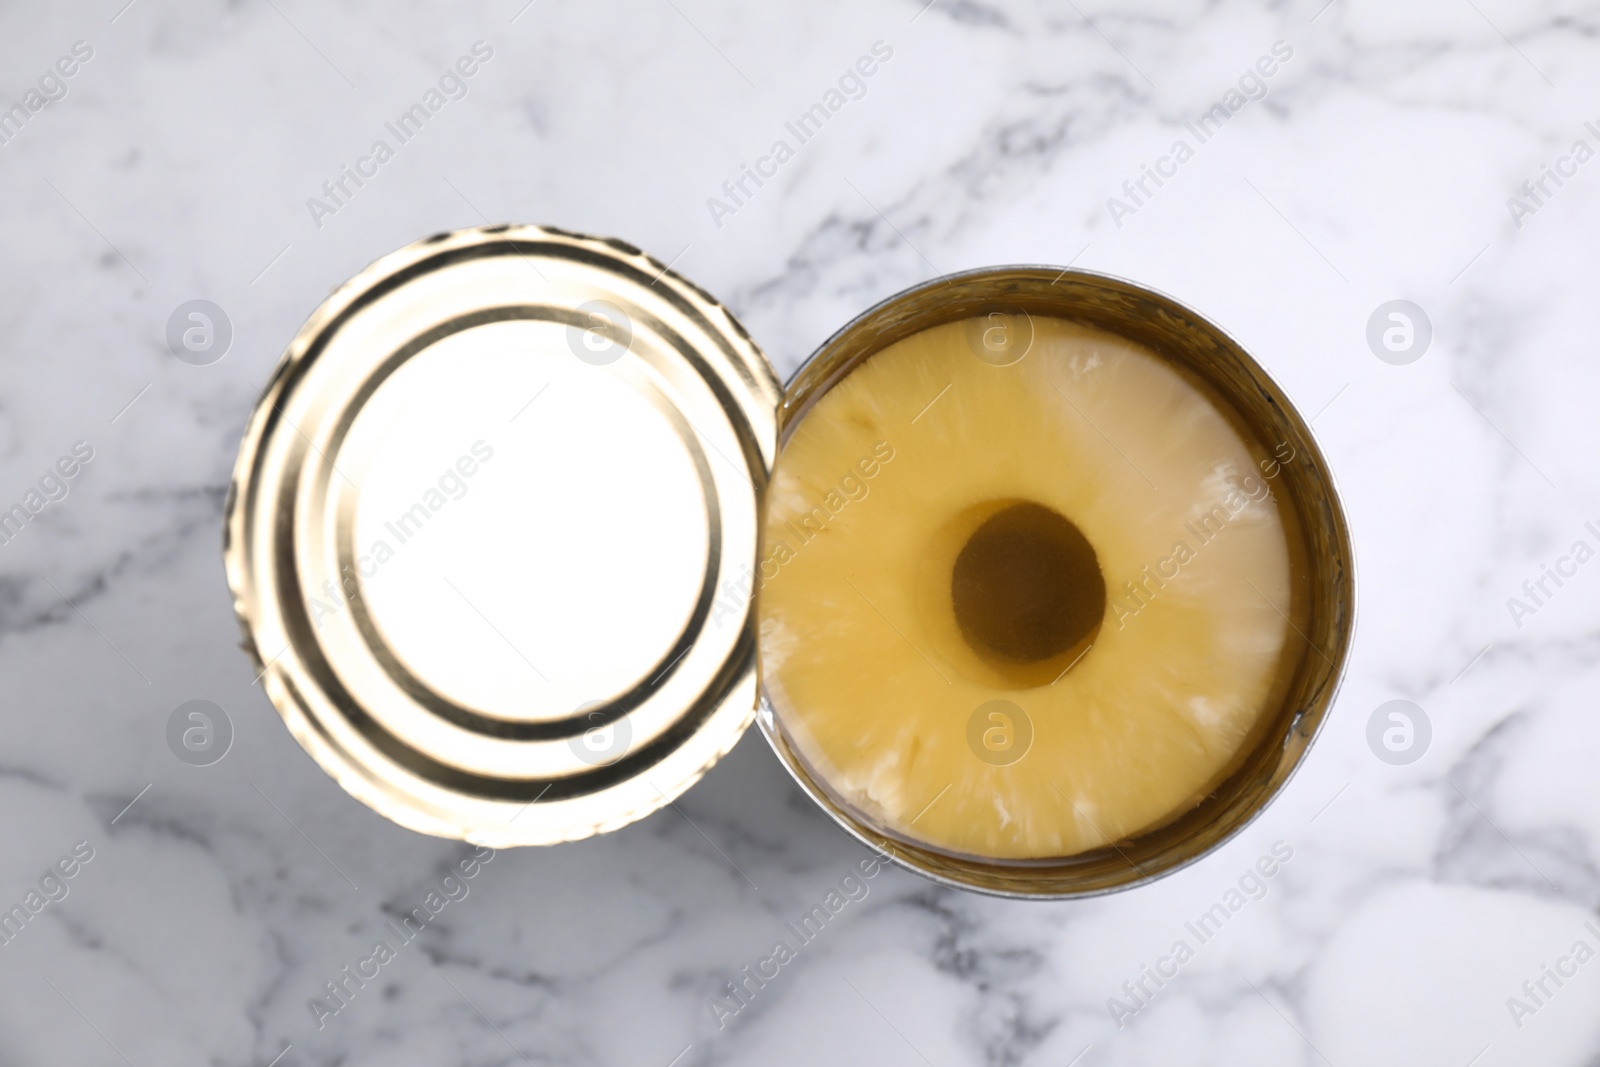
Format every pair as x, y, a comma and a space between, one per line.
1378, 166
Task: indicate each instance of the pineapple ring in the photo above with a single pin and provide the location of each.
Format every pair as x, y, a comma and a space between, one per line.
903, 702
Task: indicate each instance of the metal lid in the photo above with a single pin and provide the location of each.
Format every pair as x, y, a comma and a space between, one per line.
491, 530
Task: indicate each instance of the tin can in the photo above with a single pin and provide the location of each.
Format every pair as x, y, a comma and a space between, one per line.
557, 666
1321, 617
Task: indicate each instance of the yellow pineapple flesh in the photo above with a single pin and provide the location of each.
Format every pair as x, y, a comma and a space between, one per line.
936, 642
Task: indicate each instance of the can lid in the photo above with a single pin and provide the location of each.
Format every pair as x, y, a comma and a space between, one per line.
491, 531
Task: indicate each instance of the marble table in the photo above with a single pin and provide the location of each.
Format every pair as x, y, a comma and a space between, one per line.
1435, 908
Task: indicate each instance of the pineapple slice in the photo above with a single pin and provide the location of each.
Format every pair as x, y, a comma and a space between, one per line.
1018, 612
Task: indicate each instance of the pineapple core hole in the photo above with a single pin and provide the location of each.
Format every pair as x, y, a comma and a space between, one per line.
1027, 587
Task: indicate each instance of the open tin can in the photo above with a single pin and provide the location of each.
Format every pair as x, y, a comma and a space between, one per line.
564, 651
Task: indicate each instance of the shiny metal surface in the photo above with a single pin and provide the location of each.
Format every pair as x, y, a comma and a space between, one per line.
490, 529
1322, 606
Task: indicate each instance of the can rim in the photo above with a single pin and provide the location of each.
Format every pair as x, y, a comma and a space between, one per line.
831, 361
